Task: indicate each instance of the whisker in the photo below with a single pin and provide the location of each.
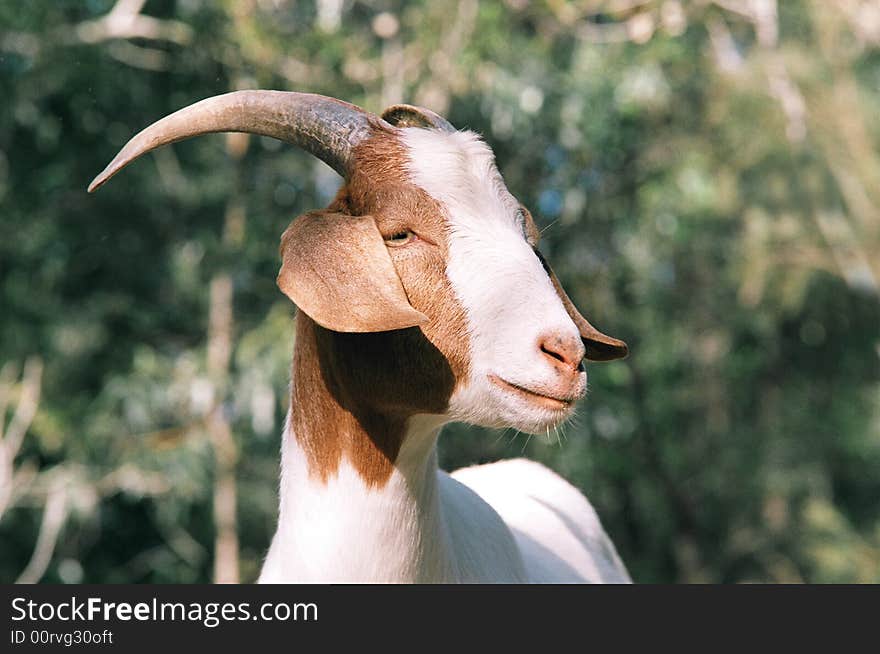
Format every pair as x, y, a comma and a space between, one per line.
549, 226
501, 435
513, 438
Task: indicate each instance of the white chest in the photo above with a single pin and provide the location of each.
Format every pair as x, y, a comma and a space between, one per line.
423, 527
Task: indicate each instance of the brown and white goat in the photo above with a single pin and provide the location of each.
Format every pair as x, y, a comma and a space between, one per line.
423, 300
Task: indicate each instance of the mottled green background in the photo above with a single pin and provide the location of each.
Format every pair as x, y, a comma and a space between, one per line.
707, 178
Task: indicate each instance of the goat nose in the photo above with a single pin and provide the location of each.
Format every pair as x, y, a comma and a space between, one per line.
562, 350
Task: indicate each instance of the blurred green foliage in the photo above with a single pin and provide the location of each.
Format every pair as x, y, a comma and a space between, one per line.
707, 178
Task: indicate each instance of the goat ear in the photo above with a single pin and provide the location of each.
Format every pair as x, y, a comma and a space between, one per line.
599, 346
337, 270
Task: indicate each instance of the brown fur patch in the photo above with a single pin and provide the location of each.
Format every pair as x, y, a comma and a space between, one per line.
353, 393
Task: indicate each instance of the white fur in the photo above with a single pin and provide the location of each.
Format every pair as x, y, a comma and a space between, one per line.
422, 526
513, 521
508, 298
557, 530
508, 522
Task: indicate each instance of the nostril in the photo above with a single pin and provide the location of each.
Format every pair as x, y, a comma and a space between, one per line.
566, 351
551, 353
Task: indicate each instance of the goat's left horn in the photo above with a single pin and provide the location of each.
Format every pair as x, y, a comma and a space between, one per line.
326, 127
407, 115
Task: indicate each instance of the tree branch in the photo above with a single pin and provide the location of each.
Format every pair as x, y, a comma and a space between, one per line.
54, 516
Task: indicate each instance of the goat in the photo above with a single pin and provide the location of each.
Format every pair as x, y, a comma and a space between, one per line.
422, 300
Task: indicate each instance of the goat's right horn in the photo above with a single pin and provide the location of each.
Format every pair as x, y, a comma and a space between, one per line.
326, 127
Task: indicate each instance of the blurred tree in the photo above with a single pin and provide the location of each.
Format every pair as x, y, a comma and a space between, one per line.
706, 175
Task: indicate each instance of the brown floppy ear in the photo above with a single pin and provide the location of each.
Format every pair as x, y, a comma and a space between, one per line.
600, 347
336, 269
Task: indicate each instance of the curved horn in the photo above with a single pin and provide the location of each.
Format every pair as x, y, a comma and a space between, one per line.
407, 115
326, 127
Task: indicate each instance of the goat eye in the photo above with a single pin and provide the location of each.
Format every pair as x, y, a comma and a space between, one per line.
402, 237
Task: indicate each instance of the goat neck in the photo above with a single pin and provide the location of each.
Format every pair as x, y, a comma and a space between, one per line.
359, 485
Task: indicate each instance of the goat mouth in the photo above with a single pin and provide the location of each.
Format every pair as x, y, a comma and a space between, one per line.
546, 401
